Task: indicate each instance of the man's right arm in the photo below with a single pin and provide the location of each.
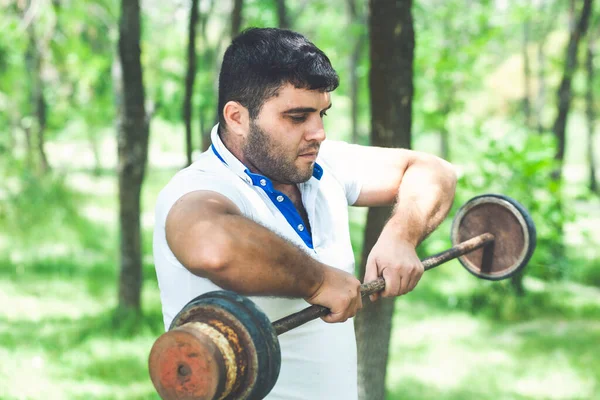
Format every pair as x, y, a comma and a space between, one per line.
212, 239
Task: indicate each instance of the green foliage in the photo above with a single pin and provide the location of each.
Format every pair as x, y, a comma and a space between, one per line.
450, 59
520, 164
33, 207
497, 301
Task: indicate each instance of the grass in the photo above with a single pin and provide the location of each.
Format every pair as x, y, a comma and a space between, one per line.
454, 355
58, 327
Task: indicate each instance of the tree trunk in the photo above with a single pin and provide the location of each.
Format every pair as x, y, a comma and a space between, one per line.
526, 72
132, 151
189, 80
444, 88
41, 109
92, 135
547, 13
391, 85
355, 57
564, 91
572, 15
541, 76
37, 98
282, 15
236, 17
590, 114
28, 146
516, 280
207, 60
202, 123
444, 131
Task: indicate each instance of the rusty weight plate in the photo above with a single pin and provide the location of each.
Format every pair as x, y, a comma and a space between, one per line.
178, 356
512, 227
239, 347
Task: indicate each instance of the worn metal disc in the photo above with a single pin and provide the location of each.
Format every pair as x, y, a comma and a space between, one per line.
513, 230
186, 363
245, 342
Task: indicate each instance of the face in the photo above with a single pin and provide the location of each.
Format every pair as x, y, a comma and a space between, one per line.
283, 141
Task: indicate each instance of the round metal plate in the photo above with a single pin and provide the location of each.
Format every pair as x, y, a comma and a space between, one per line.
513, 230
178, 356
250, 334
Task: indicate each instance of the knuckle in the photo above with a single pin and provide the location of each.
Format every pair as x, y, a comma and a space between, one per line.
347, 300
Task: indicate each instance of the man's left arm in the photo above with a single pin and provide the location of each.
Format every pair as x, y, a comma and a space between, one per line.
421, 188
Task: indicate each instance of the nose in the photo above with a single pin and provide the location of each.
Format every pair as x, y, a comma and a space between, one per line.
316, 131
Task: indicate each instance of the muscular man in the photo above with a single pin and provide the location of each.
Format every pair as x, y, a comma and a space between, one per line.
264, 212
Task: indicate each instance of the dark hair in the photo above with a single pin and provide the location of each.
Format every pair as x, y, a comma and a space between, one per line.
261, 60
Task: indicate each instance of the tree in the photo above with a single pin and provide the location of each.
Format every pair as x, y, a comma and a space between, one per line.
190, 77
356, 20
448, 62
282, 15
391, 85
236, 17
208, 56
526, 65
133, 132
543, 29
35, 55
564, 92
589, 110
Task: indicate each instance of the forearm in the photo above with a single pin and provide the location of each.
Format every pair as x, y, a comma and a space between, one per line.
424, 198
252, 260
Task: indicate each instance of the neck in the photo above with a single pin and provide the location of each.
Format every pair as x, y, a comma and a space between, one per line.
233, 146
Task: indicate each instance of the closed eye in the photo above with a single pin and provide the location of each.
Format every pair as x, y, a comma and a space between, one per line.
297, 119
323, 114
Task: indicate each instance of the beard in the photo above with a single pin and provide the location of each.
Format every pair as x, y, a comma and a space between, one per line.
273, 160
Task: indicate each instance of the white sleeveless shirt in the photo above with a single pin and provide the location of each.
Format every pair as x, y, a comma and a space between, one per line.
318, 359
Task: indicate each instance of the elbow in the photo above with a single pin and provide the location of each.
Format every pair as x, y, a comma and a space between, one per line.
210, 254
447, 176
209, 259
203, 249
450, 175
444, 176
449, 180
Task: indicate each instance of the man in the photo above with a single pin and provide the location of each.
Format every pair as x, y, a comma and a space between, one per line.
264, 211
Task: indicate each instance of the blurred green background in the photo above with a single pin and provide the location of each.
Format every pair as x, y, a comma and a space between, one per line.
486, 77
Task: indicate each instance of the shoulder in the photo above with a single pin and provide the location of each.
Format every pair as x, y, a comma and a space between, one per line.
340, 162
208, 174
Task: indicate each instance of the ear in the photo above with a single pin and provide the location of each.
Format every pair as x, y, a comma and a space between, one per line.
237, 118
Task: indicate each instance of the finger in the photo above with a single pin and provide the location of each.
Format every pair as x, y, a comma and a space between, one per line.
332, 318
404, 282
370, 270
411, 284
416, 277
354, 306
371, 275
392, 283
351, 312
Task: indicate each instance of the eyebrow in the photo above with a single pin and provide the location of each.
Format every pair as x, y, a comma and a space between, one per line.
301, 110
